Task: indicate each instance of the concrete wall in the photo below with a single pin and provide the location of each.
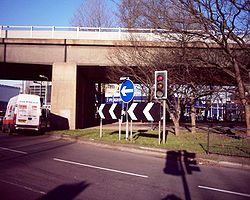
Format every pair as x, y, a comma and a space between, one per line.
34, 54
89, 55
63, 98
47, 52
1, 53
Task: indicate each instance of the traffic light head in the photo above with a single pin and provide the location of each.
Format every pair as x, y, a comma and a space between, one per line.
160, 84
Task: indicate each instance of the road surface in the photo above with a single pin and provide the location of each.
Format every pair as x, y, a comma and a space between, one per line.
45, 167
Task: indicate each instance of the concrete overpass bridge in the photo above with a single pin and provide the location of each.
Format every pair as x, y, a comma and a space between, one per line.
73, 58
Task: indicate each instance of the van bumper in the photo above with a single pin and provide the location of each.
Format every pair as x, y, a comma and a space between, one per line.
25, 127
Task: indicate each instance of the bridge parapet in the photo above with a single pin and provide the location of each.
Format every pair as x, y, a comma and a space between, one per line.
88, 33
92, 33
161, 36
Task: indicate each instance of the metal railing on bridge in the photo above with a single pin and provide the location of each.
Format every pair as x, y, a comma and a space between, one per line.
98, 33
88, 33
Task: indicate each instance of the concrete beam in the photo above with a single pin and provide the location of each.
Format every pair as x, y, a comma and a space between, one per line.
63, 98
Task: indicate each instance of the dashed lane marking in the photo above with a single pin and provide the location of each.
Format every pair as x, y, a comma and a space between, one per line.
22, 186
224, 191
100, 168
13, 150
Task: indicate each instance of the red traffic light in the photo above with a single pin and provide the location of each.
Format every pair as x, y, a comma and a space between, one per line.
159, 77
160, 85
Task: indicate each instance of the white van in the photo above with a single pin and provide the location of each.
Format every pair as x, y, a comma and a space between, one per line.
23, 113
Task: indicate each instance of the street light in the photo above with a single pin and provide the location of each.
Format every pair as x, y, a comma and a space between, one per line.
45, 103
46, 88
40, 87
123, 78
42, 76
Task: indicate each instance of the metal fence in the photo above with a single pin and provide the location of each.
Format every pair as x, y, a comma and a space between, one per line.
95, 33
90, 33
228, 141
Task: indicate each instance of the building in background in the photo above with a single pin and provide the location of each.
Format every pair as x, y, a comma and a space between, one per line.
6, 92
40, 88
112, 94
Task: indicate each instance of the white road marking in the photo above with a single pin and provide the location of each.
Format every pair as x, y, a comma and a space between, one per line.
101, 168
23, 187
13, 150
225, 191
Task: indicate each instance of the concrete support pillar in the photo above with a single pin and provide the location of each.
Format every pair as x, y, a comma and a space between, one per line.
63, 97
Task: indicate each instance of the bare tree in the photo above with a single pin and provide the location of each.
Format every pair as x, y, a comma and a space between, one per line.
220, 27
227, 24
187, 83
94, 13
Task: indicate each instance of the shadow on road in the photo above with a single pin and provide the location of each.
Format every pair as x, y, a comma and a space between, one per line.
180, 163
171, 197
40, 147
65, 191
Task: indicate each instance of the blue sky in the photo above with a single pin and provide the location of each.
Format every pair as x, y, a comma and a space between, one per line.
36, 13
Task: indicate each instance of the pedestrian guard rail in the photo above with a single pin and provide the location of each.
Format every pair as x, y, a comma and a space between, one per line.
228, 141
98, 33
90, 33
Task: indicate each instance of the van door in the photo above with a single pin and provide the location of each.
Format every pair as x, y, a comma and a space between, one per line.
33, 114
22, 114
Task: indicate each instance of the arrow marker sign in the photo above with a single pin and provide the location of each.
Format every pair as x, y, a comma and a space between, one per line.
124, 90
127, 91
146, 111
100, 111
111, 111
131, 111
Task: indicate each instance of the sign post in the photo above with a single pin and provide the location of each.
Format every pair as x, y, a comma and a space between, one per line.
100, 112
164, 122
100, 127
127, 94
127, 121
161, 94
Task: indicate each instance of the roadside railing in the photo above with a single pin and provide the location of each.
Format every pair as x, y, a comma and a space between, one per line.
99, 33
96, 33
91, 33
228, 141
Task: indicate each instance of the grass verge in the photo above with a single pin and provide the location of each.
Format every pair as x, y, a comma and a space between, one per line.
186, 141
197, 143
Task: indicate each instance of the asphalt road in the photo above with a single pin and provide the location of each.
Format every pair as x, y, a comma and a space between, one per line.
44, 167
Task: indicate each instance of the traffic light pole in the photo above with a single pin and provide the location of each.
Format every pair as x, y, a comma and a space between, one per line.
127, 122
164, 122
161, 94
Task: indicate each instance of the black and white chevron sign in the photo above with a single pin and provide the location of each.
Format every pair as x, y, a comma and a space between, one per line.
110, 111
145, 111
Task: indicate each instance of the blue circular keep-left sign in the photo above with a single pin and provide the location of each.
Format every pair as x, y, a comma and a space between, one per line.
127, 91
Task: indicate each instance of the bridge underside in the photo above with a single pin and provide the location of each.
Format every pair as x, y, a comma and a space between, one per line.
82, 98
14, 71
87, 94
